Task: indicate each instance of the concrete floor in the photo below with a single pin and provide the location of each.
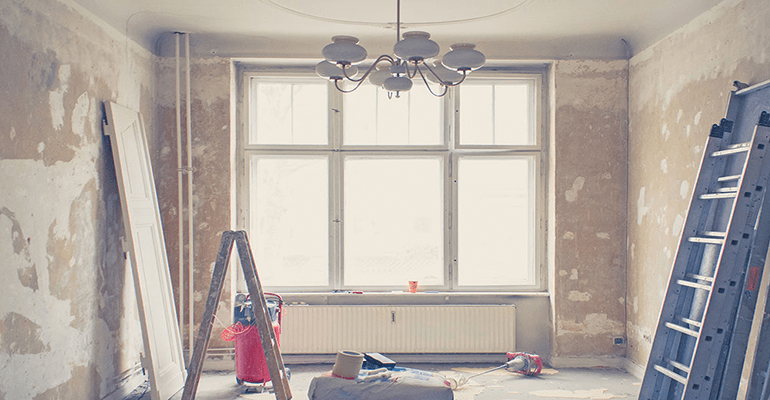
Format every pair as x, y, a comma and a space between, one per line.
591, 383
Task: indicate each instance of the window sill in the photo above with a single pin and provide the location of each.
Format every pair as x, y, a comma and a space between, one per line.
406, 298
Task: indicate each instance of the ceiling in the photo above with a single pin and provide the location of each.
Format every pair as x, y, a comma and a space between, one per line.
510, 29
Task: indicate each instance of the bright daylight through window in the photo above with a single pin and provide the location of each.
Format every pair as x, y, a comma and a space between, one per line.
358, 191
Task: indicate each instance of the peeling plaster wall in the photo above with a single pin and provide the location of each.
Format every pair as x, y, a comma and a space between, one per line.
210, 91
679, 87
68, 319
588, 175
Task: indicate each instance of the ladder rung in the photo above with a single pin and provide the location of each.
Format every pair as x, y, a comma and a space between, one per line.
715, 234
736, 148
671, 374
680, 366
716, 196
691, 322
727, 190
701, 277
695, 285
707, 240
729, 178
682, 329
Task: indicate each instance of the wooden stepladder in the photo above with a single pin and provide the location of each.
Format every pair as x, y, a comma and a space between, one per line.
266, 333
696, 327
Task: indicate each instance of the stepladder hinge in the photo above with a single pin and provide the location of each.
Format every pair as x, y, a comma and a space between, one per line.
764, 119
143, 362
726, 124
124, 245
717, 131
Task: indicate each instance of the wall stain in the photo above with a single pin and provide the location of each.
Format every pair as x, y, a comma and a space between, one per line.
84, 384
27, 274
19, 335
68, 279
37, 75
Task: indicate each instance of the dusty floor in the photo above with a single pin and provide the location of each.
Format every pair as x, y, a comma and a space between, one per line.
593, 383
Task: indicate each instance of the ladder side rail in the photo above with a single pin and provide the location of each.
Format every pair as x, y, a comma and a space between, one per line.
723, 376
207, 322
758, 357
697, 214
270, 348
755, 368
729, 268
747, 305
731, 358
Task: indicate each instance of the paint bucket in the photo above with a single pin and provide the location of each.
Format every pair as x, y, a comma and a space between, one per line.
348, 364
250, 363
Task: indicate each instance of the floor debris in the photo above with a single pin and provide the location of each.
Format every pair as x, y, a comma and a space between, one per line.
578, 394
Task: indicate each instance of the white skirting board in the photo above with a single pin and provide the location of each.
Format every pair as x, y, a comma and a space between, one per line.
127, 382
588, 362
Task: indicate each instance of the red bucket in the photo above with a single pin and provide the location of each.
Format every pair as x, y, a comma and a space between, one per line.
250, 364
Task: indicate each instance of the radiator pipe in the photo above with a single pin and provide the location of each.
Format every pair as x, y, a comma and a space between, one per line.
180, 193
191, 252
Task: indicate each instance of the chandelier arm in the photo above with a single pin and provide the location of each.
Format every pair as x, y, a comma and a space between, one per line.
416, 68
384, 57
465, 73
446, 88
337, 85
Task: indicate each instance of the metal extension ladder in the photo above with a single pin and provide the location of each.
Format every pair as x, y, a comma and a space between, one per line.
261, 315
688, 359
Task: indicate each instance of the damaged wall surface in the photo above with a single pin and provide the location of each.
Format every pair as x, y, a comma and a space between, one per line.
68, 323
210, 110
590, 138
678, 89
588, 213
68, 319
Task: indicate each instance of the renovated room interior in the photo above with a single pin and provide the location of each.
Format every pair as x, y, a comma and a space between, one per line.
625, 93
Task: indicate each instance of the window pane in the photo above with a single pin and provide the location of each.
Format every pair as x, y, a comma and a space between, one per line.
496, 221
394, 226
497, 114
289, 113
370, 118
289, 223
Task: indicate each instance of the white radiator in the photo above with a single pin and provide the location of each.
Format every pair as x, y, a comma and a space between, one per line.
398, 329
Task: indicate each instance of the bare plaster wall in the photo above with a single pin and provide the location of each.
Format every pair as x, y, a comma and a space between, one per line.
210, 110
588, 217
678, 88
68, 319
590, 179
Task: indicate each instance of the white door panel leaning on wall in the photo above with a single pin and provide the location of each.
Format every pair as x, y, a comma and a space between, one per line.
146, 249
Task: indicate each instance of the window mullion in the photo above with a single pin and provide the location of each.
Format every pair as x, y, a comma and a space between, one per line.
335, 221
336, 215
450, 232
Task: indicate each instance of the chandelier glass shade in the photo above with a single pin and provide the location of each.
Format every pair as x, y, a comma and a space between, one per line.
414, 58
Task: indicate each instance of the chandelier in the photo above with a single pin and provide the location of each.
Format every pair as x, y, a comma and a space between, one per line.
414, 59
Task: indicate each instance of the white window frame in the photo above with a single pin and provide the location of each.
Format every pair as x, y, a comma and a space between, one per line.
450, 151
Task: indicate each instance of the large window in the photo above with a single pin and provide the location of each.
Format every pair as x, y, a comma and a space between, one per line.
361, 192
